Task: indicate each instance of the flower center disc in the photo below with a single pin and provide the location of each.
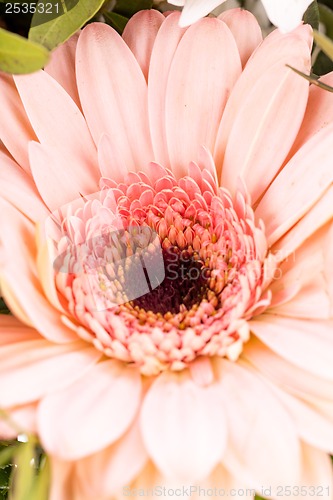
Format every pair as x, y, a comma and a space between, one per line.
213, 279
185, 284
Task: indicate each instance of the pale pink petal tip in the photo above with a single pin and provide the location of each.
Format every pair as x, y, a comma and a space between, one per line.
245, 29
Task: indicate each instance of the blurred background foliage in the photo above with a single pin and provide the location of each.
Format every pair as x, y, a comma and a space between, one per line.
29, 31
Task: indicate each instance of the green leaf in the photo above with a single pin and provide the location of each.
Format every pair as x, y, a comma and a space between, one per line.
325, 43
128, 8
326, 17
24, 470
115, 20
5, 472
7, 453
53, 33
7, 450
311, 15
314, 79
23, 473
47, 10
40, 487
19, 55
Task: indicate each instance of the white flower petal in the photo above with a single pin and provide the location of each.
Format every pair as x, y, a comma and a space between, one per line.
178, 3
195, 9
286, 14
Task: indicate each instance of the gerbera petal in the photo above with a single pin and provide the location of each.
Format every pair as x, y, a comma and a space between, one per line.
13, 179
269, 59
13, 304
316, 473
140, 34
46, 257
148, 477
114, 96
195, 9
318, 216
318, 114
318, 401
105, 472
90, 419
245, 29
15, 128
111, 164
20, 286
269, 114
167, 40
209, 49
30, 369
12, 331
286, 14
302, 342
62, 67
287, 200
225, 482
310, 302
62, 484
251, 442
183, 426
308, 270
58, 123
57, 186
289, 377
312, 427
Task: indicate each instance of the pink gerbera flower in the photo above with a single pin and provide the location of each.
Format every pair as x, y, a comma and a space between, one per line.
202, 147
